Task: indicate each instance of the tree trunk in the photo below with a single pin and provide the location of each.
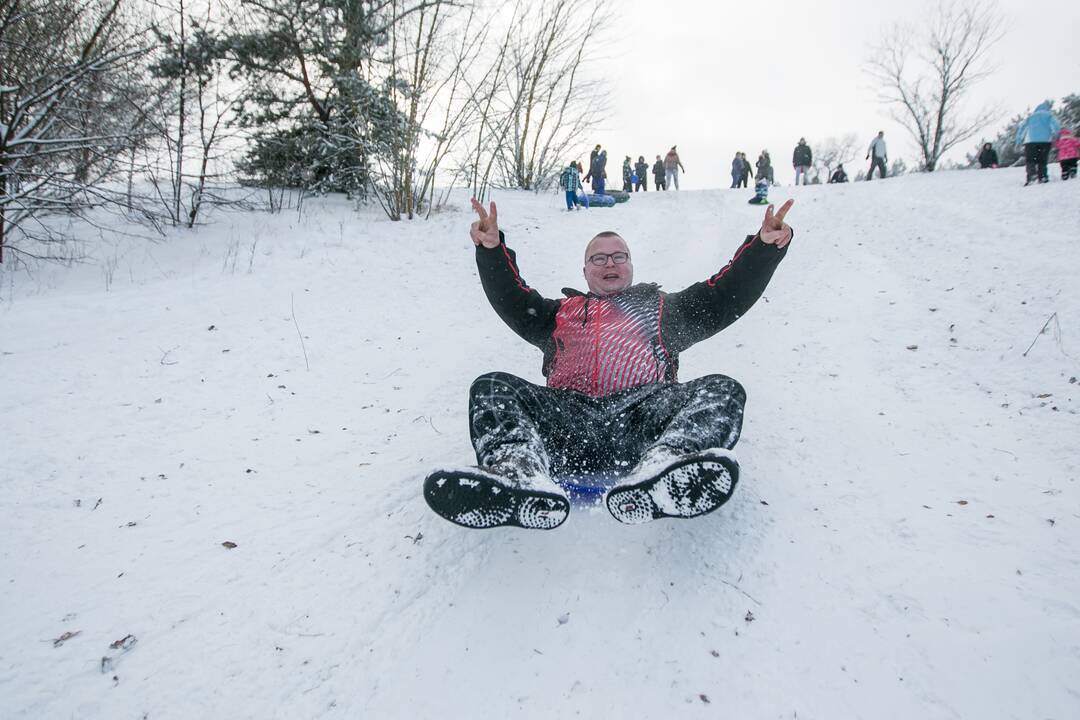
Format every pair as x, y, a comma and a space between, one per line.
179, 179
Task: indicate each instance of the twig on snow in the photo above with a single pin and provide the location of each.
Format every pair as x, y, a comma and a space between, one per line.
1041, 331
733, 585
292, 307
418, 418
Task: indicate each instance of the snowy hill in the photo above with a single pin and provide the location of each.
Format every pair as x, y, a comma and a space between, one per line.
905, 541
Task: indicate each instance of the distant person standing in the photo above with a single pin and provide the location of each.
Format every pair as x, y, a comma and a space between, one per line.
1068, 148
736, 170
672, 166
747, 169
802, 159
598, 171
641, 169
627, 173
1035, 135
879, 153
839, 175
658, 174
988, 157
592, 166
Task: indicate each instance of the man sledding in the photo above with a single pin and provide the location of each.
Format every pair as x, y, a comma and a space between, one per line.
613, 405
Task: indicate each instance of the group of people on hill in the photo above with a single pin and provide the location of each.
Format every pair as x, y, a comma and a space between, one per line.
740, 169
665, 172
802, 160
635, 177
1040, 132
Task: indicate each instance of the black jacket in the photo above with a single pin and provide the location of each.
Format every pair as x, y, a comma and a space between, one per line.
642, 170
802, 156
988, 158
687, 317
592, 163
658, 170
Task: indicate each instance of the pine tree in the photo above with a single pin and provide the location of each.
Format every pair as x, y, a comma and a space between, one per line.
317, 100
1069, 112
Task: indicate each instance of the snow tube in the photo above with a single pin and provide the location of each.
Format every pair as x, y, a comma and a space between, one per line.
620, 196
601, 201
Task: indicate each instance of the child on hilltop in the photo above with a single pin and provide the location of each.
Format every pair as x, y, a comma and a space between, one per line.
570, 182
658, 174
1068, 148
761, 192
641, 171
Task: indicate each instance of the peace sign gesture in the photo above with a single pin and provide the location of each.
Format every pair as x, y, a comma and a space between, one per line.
485, 231
774, 231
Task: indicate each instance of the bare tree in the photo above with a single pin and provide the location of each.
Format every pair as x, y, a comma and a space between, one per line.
550, 98
488, 125
68, 77
430, 54
927, 74
832, 152
191, 128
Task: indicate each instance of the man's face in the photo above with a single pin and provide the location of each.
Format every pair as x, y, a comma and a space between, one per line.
608, 278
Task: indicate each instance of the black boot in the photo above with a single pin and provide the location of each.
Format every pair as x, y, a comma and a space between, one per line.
683, 486
476, 498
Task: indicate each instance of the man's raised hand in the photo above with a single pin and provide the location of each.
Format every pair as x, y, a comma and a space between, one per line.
774, 231
485, 231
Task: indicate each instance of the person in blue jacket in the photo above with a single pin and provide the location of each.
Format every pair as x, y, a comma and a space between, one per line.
736, 170
570, 182
1035, 135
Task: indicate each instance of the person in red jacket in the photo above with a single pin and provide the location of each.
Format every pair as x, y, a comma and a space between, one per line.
612, 405
1068, 149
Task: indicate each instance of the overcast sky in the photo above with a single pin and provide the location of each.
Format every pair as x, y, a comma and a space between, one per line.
715, 76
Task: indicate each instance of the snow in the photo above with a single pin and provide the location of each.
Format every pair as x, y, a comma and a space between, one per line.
902, 543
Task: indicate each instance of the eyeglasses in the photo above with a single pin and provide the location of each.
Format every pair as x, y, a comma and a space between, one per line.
616, 257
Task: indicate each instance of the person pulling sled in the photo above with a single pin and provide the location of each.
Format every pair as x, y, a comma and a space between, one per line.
612, 405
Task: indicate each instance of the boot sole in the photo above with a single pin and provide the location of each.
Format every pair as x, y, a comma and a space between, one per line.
480, 501
691, 487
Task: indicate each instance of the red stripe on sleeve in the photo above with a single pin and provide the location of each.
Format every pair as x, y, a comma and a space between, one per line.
513, 268
738, 253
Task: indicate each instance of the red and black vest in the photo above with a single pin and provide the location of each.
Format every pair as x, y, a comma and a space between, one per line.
606, 344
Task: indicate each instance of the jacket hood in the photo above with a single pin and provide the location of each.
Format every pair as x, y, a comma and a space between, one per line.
1066, 132
1044, 105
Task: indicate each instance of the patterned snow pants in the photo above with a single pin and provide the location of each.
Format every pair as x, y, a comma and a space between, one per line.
521, 429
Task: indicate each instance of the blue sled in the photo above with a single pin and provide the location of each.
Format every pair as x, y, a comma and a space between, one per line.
587, 490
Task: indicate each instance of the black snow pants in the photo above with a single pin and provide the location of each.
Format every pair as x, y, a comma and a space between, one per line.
876, 162
1068, 169
1035, 157
518, 427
